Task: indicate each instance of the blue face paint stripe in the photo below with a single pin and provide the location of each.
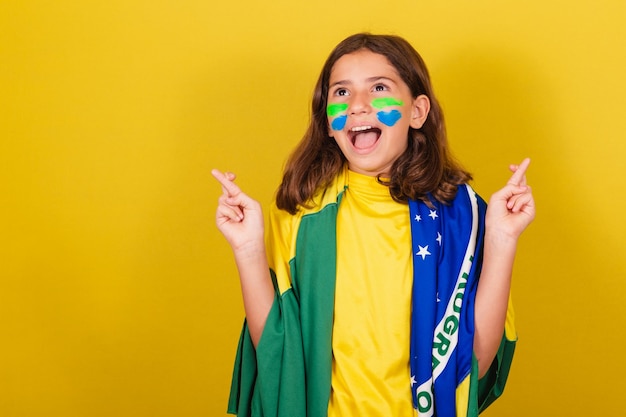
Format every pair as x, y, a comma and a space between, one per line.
389, 118
339, 123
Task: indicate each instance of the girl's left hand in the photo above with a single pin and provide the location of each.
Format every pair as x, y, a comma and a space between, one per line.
512, 208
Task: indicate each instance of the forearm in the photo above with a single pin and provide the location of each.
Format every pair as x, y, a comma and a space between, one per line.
511, 209
256, 288
492, 297
240, 219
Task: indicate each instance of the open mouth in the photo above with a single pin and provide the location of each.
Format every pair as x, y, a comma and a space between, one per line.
364, 137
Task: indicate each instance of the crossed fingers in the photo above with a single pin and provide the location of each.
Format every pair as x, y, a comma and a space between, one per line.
520, 197
519, 173
230, 202
226, 179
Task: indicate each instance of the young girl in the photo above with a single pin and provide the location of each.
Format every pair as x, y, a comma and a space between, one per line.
381, 286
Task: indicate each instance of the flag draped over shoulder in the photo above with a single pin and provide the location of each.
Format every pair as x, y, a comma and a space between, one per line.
289, 373
447, 245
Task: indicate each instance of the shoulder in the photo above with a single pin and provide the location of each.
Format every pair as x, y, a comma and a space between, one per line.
467, 196
465, 203
328, 196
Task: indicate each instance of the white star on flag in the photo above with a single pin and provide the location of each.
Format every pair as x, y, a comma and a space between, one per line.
423, 251
418, 218
438, 238
413, 381
433, 214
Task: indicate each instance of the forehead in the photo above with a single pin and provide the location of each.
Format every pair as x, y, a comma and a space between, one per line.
362, 64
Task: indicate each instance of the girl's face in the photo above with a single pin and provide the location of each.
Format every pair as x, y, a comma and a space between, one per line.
370, 109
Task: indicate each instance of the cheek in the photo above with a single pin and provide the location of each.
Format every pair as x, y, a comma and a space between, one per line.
336, 115
339, 122
389, 118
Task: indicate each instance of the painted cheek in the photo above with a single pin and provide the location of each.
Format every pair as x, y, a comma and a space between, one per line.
382, 102
335, 110
339, 123
389, 118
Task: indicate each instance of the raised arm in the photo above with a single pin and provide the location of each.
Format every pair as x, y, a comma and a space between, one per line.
240, 219
510, 211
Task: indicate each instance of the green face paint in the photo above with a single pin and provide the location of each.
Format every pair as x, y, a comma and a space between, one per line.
383, 102
334, 109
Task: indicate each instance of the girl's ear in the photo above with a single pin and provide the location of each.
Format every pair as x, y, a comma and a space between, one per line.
419, 111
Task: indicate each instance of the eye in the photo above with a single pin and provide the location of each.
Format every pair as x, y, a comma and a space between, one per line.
341, 92
380, 87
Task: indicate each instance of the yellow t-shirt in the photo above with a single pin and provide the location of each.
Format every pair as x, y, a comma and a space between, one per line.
371, 329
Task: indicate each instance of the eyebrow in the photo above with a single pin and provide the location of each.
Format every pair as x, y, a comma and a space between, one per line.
369, 80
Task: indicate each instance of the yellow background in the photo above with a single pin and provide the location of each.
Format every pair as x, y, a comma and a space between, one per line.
118, 296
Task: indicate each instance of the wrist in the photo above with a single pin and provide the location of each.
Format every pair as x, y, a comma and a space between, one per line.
250, 250
500, 239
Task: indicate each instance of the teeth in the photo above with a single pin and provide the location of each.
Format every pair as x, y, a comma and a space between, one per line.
361, 128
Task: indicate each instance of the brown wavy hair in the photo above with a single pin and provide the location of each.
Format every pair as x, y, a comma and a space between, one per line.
426, 167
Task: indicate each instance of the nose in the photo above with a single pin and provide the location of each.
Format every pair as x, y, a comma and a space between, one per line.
360, 104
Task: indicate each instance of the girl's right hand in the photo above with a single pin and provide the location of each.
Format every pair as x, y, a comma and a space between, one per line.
238, 217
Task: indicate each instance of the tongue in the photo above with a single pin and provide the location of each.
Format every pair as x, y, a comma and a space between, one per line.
365, 139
